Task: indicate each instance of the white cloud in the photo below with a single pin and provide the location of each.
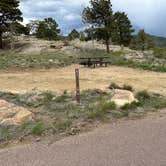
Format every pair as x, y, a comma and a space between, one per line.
147, 14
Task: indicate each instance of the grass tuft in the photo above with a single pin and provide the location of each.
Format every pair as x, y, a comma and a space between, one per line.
38, 128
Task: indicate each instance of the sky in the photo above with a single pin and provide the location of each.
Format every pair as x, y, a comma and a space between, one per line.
144, 14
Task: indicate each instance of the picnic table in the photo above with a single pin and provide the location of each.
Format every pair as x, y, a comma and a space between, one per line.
95, 61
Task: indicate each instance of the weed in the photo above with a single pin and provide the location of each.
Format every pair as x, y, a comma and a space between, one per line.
131, 106
99, 110
143, 95
4, 133
47, 96
38, 128
96, 114
62, 125
117, 114
105, 106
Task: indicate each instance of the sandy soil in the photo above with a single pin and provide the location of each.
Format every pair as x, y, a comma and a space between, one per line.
64, 79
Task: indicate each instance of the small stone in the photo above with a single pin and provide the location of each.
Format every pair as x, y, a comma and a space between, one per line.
38, 139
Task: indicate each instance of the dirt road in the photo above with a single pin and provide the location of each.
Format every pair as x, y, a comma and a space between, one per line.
63, 79
132, 143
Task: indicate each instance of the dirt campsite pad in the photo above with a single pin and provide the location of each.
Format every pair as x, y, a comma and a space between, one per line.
64, 79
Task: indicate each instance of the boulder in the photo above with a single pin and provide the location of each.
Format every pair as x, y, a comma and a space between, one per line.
11, 114
122, 97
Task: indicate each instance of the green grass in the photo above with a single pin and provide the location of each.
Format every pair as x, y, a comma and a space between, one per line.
46, 59
4, 133
38, 128
160, 52
62, 125
146, 65
118, 58
43, 60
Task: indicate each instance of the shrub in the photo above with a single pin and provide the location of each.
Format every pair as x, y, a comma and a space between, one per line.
160, 52
133, 105
143, 95
114, 86
128, 87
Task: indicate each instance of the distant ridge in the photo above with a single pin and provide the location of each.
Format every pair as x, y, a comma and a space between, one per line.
160, 41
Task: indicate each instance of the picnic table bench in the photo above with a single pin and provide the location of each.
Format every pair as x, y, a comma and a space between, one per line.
95, 61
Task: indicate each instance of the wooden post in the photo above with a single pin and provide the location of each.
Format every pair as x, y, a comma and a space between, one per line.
77, 85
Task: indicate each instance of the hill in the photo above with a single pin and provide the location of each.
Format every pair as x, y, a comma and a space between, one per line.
160, 41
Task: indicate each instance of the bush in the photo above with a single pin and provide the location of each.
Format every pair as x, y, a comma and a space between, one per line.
143, 95
114, 86
160, 52
128, 87
133, 105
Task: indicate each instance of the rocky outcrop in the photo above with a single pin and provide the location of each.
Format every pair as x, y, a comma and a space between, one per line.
11, 114
122, 97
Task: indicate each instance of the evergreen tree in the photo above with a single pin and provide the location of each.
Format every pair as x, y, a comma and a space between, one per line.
74, 34
33, 26
123, 30
9, 14
142, 41
47, 29
100, 15
19, 29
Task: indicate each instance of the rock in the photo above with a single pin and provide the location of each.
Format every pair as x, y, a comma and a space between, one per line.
122, 97
11, 114
38, 139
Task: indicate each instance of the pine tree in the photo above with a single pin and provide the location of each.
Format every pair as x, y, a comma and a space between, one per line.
74, 34
123, 29
142, 41
9, 14
100, 15
47, 29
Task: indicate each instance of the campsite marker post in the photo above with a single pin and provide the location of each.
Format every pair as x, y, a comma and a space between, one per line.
77, 85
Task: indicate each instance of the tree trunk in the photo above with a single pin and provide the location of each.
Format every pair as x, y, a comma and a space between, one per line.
1, 44
108, 46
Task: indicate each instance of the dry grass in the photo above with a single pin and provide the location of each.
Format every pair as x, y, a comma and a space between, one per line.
63, 79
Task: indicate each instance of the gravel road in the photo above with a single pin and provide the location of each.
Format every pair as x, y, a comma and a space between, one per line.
132, 143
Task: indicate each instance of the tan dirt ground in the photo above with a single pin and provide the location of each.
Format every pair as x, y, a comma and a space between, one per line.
64, 79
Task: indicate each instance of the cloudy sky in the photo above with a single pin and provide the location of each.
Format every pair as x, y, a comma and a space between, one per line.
147, 14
